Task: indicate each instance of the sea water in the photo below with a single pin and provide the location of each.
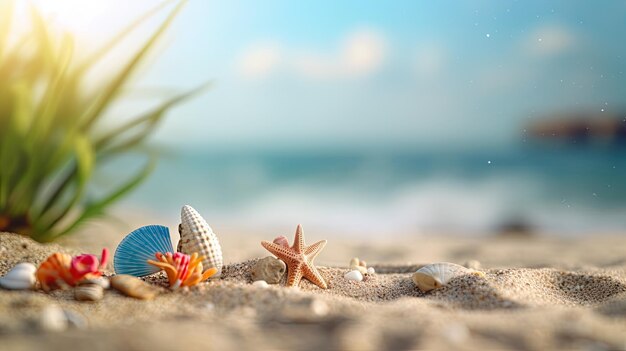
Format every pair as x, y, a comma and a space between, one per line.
568, 190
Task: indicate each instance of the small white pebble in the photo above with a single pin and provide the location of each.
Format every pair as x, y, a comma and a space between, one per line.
53, 318
319, 308
209, 306
75, 320
260, 284
354, 275
371, 270
455, 333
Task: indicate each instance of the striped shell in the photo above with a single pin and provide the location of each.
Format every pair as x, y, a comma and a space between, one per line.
436, 275
133, 253
197, 236
88, 292
54, 272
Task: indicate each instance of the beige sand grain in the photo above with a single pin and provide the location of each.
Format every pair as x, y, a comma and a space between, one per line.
570, 303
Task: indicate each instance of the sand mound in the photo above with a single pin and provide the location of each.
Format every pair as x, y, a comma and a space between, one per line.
497, 289
16, 248
538, 287
520, 308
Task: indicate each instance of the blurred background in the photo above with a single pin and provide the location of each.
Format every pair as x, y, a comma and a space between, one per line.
370, 118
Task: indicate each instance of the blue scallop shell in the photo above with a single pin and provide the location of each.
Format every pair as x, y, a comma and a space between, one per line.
139, 246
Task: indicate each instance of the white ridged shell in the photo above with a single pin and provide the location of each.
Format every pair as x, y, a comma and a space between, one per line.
20, 277
197, 236
436, 275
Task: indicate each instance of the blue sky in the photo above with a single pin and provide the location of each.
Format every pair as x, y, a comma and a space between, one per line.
366, 74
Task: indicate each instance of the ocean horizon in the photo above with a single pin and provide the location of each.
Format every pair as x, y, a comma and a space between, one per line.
569, 191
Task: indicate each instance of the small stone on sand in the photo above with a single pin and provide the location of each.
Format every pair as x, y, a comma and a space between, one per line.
133, 287
269, 269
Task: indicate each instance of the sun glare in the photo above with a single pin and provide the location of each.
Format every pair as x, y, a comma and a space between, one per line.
91, 19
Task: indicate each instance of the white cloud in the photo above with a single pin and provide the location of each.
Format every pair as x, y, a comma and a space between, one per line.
549, 40
259, 60
360, 53
363, 52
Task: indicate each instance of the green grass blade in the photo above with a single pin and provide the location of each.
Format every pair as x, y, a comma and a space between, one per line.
42, 36
56, 194
99, 207
6, 16
9, 167
114, 88
113, 42
13, 132
85, 160
48, 148
21, 116
40, 161
51, 100
13, 61
150, 119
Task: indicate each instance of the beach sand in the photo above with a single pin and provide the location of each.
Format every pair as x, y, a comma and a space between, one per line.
537, 293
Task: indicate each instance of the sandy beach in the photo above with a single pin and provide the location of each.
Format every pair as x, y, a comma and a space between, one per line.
537, 293
403, 175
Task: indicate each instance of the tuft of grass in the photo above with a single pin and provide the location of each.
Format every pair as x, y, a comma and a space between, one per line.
50, 147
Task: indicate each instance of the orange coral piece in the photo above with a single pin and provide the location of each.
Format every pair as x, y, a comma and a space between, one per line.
181, 269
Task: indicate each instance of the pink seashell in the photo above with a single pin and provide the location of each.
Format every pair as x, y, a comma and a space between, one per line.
282, 241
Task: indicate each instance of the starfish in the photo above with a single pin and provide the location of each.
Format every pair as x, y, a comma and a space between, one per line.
299, 259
